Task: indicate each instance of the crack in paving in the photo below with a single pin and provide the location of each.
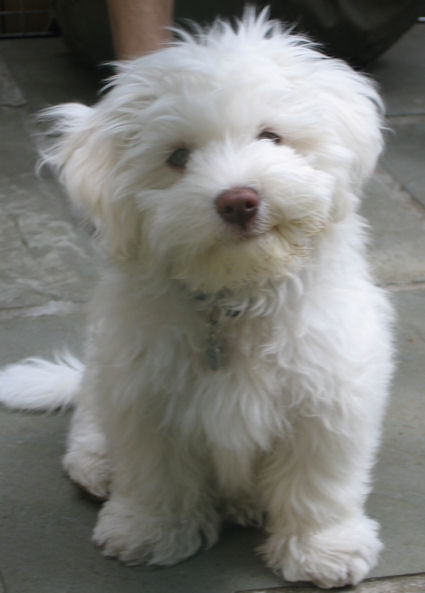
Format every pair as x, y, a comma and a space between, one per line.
412, 285
2, 583
49, 309
411, 583
19, 232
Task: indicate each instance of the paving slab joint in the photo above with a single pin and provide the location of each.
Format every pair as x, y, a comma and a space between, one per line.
2, 584
409, 583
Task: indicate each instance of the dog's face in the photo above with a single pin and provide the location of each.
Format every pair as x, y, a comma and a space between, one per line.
221, 159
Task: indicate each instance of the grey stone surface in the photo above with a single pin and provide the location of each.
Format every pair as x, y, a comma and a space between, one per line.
41, 331
401, 584
401, 74
397, 232
398, 499
44, 254
46, 270
10, 93
405, 155
47, 74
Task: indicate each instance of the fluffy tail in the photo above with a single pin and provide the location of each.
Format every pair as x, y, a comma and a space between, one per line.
37, 384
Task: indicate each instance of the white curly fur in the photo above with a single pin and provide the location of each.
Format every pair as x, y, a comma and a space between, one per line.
288, 425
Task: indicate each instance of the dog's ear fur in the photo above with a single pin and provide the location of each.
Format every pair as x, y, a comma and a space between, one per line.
87, 159
354, 118
350, 112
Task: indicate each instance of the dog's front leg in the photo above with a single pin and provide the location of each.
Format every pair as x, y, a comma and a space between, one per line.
159, 511
314, 488
86, 460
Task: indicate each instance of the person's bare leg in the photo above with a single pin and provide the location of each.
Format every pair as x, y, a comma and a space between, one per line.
138, 26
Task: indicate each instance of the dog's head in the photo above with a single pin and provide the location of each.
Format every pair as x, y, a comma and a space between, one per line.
221, 158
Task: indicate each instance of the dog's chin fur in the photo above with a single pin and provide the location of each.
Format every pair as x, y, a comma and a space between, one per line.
230, 373
244, 265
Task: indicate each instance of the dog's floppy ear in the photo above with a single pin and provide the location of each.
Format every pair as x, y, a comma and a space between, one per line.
349, 115
354, 116
84, 153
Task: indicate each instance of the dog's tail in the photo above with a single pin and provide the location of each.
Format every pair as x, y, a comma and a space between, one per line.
37, 384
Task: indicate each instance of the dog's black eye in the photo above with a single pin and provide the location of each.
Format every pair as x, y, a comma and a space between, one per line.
267, 135
179, 158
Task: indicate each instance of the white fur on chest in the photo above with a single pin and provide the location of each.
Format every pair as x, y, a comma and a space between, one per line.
236, 405
285, 350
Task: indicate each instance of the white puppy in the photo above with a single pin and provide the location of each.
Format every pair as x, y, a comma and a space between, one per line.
239, 354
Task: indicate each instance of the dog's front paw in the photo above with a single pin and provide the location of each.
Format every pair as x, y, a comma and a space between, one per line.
89, 469
128, 532
334, 557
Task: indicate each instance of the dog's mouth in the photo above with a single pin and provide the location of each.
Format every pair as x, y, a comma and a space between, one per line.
293, 231
236, 255
240, 235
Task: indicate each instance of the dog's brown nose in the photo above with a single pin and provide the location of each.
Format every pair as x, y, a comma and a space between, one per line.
238, 206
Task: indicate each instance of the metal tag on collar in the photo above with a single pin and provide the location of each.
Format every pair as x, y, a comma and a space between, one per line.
215, 352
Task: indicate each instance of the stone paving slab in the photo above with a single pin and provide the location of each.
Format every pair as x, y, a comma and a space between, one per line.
398, 498
399, 584
43, 254
397, 232
10, 93
39, 332
400, 73
405, 155
47, 74
17, 152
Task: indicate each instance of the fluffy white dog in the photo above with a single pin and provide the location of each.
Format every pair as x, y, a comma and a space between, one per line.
239, 354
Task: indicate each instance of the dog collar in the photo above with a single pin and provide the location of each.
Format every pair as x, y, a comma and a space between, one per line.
217, 311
